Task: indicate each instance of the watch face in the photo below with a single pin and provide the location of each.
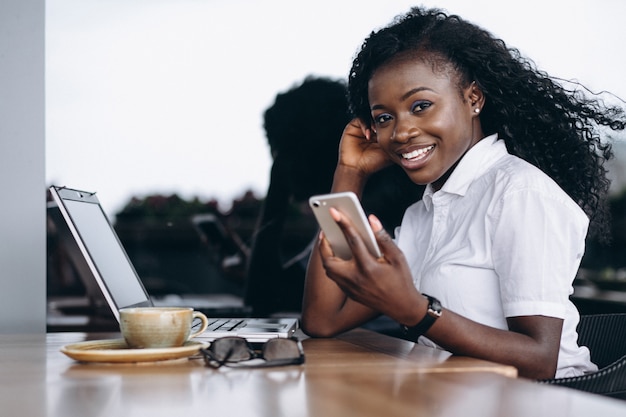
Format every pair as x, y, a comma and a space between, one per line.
432, 314
434, 309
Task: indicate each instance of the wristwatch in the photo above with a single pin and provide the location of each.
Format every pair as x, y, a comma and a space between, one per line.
433, 313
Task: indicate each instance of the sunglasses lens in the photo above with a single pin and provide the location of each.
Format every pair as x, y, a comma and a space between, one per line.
230, 349
277, 349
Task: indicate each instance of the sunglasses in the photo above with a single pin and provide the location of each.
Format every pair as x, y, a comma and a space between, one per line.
237, 352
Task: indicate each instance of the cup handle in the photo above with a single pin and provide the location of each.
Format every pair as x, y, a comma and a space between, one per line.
205, 324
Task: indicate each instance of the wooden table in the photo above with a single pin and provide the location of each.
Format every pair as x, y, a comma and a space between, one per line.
360, 373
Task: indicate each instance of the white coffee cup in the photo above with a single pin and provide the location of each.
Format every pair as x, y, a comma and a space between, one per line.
159, 327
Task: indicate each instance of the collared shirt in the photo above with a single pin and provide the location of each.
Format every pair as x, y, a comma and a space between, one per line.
500, 239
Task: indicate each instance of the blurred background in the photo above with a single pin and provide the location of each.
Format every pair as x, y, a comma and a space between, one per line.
157, 106
167, 96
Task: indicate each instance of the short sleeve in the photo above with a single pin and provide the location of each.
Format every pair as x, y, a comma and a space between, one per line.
538, 244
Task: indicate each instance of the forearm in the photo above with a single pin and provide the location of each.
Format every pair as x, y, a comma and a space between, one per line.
531, 344
348, 179
326, 310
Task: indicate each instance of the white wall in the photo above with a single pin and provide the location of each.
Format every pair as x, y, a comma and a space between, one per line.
22, 170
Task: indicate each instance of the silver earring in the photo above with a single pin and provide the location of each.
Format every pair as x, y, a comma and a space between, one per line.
477, 110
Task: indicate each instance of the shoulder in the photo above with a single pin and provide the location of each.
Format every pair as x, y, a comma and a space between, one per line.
516, 182
489, 163
512, 174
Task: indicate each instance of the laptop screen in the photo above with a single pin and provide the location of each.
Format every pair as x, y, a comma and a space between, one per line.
101, 248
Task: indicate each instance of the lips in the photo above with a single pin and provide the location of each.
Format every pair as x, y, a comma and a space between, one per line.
417, 154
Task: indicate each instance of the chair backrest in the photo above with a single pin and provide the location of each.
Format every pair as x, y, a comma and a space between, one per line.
604, 335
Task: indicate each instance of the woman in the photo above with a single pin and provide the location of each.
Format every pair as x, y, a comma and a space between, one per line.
483, 265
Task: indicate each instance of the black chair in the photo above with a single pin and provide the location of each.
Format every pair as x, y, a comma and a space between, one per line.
605, 336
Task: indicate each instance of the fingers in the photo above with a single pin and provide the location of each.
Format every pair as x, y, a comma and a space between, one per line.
377, 226
324, 247
376, 283
355, 240
368, 132
358, 128
385, 241
355, 128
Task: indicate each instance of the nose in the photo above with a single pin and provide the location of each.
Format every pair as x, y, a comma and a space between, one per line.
404, 131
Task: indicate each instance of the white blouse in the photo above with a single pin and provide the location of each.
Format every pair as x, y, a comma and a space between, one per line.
500, 239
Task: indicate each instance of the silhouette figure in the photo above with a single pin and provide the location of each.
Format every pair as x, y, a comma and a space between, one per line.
303, 129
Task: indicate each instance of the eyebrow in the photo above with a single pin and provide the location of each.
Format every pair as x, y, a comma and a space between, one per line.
413, 91
405, 96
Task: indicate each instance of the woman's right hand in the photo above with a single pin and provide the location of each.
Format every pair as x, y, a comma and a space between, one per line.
359, 149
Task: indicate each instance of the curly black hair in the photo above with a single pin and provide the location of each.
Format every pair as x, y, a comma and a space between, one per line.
558, 130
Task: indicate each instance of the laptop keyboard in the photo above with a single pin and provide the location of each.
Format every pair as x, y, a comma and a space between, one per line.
224, 324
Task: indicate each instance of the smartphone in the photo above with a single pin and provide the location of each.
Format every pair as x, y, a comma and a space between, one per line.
349, 205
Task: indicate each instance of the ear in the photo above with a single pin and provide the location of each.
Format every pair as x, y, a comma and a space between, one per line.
475, 98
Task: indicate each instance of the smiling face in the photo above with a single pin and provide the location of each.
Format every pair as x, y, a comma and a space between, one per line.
423, 119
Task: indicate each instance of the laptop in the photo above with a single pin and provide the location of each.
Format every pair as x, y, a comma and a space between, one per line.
118, 281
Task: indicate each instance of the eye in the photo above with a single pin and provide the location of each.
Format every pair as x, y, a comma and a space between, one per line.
381, 118
420, 105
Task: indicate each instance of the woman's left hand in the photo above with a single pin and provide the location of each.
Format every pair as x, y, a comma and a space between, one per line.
384, 284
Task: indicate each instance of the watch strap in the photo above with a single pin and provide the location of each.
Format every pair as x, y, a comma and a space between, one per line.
432, 314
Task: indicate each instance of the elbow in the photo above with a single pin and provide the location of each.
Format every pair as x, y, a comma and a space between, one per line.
538, 376
544, 363
316, 332
539, 369
548, 372
316, 327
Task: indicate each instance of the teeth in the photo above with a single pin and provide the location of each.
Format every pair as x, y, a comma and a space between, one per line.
417, 153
